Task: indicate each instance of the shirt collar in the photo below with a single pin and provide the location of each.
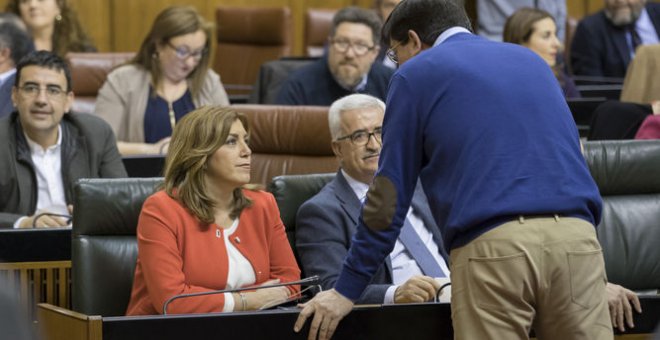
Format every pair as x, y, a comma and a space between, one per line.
4, 76
357, 88
448, 33
359, 189
644, 20
35, 147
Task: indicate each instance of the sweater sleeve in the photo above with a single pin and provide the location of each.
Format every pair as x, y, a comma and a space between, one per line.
162, 263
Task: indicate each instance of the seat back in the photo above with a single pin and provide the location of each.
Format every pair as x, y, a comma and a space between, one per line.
88, 74
246, 38
103, 246
626, 173
317, 29
641, 83
290, 192
288, 140
272, 75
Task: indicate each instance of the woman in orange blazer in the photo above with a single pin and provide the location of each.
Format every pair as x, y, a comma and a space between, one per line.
204, 231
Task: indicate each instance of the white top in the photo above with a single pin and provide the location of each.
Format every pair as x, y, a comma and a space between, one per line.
48, 170
241, 272
403, 264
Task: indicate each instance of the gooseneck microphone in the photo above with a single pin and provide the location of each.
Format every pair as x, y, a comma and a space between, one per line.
309, 281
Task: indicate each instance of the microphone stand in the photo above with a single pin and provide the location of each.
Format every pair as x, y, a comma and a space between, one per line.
310, 281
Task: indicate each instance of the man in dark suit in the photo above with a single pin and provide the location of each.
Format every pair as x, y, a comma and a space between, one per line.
604, 43
46, 148
348, 65
327, 222
15, 43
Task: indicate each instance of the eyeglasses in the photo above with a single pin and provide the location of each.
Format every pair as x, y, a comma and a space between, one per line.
362, 137
32, 91
391, 53
342, 45
183, 52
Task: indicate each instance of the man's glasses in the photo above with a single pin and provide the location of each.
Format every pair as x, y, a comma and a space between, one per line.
183, 52
391, 53
342, 45
362, 137
32, 91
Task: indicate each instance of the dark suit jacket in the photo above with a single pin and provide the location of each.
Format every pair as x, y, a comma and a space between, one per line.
600, 48
6, 106
89, 150
325, 225
313, 84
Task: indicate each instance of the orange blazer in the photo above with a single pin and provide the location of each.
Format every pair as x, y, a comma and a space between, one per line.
178, 254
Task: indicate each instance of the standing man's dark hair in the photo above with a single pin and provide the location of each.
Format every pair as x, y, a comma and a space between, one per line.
425, 20
47, 60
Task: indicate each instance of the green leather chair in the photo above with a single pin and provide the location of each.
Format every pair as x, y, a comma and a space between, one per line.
628, 176
290, 192
104, 246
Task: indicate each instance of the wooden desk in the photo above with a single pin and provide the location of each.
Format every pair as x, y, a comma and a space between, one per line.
37, 264
414, 321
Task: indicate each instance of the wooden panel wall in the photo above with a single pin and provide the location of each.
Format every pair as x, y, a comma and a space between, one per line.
120, 25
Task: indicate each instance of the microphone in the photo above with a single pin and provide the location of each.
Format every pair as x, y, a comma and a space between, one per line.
309, 281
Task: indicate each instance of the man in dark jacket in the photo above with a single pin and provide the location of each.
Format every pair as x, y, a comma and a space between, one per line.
46, 148
604, 43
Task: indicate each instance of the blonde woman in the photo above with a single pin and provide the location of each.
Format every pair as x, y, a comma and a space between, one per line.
205, 231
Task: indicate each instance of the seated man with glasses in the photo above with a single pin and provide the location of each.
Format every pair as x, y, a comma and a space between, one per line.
347, 67
46, 148
325, 224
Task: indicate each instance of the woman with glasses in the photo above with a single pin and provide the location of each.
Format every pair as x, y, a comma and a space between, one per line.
168, 78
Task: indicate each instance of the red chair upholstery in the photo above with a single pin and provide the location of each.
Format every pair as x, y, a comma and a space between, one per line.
317, 28
246, 38
88, 73
288, 140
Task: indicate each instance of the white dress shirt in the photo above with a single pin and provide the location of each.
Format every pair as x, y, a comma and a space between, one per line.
241, 272
48, 171
403, 264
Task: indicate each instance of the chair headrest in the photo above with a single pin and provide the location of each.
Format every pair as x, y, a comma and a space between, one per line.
299, 130
110, 206
624, 167
253, 25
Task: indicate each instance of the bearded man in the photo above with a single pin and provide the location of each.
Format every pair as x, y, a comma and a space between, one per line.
347, 66
605, 42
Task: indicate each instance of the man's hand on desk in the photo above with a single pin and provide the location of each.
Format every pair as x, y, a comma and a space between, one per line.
417, 289
47, 219
618, 299
328, 307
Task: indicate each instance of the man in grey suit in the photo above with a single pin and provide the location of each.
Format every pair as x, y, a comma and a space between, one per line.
327, 222
15, 43
46, 148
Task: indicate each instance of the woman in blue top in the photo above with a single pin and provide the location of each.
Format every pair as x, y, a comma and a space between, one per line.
169, 77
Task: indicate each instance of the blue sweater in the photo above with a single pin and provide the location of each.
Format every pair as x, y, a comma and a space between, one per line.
486, 128
315, 85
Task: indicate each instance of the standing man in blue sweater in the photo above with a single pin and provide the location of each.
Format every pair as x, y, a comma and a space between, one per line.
485, 127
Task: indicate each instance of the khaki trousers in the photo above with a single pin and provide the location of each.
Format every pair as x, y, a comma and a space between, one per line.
535, 272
